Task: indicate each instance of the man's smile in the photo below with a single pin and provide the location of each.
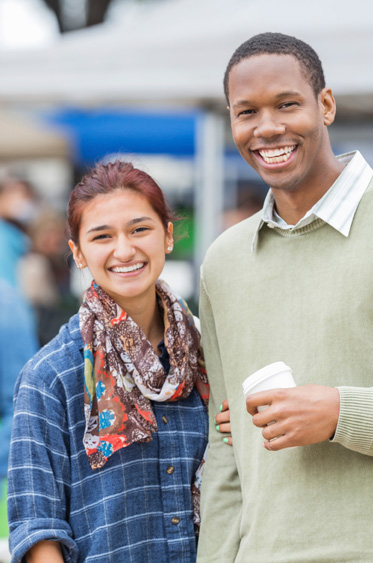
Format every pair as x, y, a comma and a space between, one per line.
274, 156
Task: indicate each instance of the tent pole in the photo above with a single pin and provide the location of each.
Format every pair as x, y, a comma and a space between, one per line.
209, 185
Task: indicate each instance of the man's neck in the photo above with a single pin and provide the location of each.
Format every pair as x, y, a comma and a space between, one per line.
292, 205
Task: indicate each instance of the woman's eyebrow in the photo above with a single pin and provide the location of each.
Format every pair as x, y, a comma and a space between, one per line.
99, 228
139, 220
129, 224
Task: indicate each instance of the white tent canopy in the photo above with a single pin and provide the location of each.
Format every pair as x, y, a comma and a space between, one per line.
176, 51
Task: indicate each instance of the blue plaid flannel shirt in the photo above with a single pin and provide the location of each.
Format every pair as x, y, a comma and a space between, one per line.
136, 509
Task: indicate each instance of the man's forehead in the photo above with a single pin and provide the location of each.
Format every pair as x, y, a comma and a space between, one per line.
267, 61
282, 74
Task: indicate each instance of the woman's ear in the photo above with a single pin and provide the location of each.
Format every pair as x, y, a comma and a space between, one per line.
169, 238
77, 255
328, 106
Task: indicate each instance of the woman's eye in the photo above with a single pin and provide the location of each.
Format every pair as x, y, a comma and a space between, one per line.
140, 230
101, 237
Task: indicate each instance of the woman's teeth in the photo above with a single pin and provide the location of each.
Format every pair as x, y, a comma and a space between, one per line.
276, 155
123, 270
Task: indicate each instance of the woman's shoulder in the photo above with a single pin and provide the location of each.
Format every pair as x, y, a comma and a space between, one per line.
57, 359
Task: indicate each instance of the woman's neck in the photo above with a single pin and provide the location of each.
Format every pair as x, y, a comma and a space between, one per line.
148, 317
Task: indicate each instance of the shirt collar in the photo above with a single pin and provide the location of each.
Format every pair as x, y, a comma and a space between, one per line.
338, 205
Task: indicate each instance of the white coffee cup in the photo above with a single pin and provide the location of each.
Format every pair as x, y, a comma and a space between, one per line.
274, 376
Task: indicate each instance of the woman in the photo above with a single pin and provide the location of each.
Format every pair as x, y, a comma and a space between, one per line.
105, 449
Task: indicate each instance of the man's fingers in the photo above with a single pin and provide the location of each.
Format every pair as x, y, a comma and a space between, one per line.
279, 443
251, 405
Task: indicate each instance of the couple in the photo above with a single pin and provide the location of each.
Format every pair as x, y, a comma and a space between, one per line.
287, 284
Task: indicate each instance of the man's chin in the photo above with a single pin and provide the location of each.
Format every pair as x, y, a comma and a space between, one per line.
278, 180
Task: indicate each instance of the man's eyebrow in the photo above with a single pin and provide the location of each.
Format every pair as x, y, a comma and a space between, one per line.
129, 224
288, 93
277, 97
242, 103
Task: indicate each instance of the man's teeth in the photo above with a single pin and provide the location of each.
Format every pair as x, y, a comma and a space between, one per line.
123, 270
276, 155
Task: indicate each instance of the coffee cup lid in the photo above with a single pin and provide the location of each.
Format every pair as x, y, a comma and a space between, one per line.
263, 373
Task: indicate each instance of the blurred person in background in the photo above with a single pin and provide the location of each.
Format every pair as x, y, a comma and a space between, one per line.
249, 201
44, 274
18, 203
110, 424
18, 344
17, 325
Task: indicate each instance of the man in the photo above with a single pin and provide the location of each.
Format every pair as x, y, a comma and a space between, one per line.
293, 283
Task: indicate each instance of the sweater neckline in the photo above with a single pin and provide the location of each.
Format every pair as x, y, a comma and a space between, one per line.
291, 233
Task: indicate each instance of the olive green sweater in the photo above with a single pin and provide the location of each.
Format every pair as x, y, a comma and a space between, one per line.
304, 297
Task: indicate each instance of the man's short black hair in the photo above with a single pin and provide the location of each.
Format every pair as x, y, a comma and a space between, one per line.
280, 44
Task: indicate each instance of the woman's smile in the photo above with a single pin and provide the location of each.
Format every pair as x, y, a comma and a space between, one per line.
123, 243
128, 269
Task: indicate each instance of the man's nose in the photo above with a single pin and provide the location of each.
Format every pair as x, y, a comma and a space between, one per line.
269, 126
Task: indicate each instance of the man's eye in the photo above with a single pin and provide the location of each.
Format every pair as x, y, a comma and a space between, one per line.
288, 105
246, 112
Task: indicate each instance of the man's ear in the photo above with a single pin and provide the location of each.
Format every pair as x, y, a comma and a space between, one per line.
328, 106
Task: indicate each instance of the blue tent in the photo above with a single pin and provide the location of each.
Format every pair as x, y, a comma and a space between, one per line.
95, 133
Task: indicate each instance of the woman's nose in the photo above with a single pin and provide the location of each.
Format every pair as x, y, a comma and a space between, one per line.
124, 250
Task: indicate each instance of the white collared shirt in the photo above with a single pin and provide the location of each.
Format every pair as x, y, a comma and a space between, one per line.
338, 205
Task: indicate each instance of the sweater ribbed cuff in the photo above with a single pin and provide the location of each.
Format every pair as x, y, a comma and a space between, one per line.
355, 424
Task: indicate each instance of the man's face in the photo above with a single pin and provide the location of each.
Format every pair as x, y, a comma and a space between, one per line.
278, 124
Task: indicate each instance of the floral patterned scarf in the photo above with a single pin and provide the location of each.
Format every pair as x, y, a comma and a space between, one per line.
123, 373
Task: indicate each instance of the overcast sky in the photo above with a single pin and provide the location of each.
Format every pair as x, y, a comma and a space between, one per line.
26, 24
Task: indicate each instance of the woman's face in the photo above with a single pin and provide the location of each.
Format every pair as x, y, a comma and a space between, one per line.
123, 243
